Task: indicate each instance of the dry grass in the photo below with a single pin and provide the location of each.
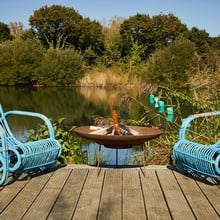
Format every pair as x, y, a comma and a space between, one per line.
109, 77
206, 86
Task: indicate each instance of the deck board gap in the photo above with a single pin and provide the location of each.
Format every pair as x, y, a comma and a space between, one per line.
205, 195
142, 191
87, 173
100, 198
164, 197
179, 184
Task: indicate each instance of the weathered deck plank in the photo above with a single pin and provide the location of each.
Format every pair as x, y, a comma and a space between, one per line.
88, 204
111, 200
176, 201
44, 202
75, 192
196, 198
16, 209
156, 207
68, 198
211, 191
133, 202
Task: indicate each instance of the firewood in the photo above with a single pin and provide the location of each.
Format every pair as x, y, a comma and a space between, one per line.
134, 132
101, 131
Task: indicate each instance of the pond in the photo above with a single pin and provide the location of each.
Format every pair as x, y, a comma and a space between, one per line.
78, 106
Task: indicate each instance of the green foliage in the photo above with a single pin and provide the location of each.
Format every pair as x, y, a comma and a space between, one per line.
150, 33
89, 56
56, 26
61, 27
166, 29
71, 150
25, 62
111, 42
137, 29
4, 32
60, 67
204, 130
170, 66
200, 38
135, 53
90, 36
20, 61
128, 43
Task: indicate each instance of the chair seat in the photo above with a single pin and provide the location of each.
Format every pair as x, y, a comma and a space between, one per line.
36, 154
195, 157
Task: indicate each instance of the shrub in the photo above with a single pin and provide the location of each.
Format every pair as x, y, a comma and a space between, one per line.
170, 66
60, 67
71, 148
20, 61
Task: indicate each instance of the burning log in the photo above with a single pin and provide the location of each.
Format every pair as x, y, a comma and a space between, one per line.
118, 130
113, 130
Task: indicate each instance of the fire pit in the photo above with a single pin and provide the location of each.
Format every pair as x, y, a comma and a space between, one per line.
118, 136
134, 135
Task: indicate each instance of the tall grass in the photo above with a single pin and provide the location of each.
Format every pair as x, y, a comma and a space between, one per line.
113, 77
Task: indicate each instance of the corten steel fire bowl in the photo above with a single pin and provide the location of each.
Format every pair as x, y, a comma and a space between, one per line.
120, 141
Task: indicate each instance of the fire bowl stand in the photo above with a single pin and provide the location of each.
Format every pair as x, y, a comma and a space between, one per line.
116, 156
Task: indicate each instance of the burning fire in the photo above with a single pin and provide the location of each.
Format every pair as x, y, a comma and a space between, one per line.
116, 129
115, 120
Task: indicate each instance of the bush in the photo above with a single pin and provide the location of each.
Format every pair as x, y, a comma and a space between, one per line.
60, 67
20, 61
170, 66
71, 147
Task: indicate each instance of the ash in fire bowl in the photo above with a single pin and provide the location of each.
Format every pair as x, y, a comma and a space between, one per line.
129, 136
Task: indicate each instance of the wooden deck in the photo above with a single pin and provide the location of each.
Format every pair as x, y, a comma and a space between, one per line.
75, 192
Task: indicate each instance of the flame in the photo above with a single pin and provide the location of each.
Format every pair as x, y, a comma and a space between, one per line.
115, 120
114, 117
117, 129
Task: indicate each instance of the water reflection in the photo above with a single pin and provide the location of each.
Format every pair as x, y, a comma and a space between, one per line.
76, 105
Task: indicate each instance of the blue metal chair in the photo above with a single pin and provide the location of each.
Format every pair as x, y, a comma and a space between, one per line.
191, 156
17, 156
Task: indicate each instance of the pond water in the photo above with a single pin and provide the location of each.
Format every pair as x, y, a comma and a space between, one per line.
78, 106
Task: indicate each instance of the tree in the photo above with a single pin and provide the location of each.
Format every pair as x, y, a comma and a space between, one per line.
56, 26
150, 33
4, 32
207, 51
135, 54
62, 27
200, 38
29, 34
166, 29
111, 34
136, 29
90, 36
172, 65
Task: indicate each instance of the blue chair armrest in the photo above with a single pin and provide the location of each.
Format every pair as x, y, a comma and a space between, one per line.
36, 115
188, 120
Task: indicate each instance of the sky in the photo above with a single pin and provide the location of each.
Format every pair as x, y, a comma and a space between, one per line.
203, 14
